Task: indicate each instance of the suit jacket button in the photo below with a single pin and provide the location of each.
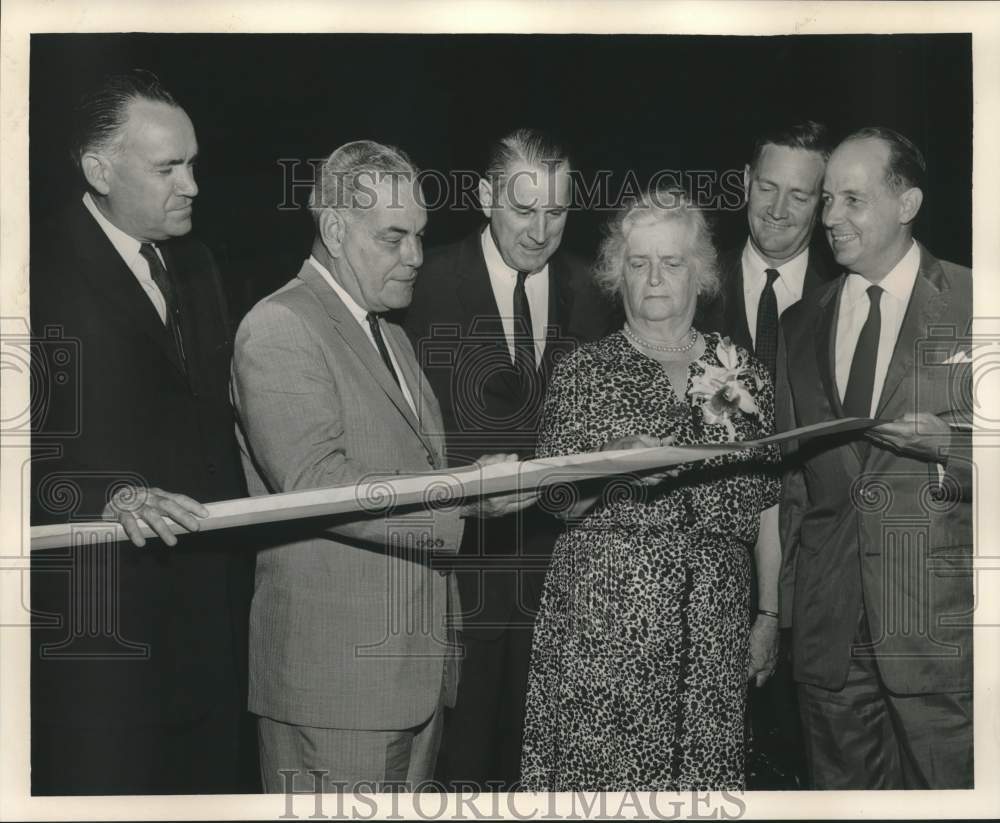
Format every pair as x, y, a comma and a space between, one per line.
211, 467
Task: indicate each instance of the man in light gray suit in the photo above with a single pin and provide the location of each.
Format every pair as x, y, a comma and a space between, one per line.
351, 652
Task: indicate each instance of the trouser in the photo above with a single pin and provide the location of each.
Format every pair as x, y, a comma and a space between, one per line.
482, 743
346, 759
863, 736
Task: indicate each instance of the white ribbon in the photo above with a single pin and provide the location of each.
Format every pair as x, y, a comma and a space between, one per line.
377, 494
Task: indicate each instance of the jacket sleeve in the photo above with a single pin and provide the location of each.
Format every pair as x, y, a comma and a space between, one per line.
289, 410
793, 499
958, 465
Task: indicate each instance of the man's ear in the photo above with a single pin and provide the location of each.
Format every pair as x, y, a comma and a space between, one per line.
486, 197
331, 230
746, 182
909, 204
96, 171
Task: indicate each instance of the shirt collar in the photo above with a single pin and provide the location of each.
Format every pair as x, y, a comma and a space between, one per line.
898, 283
359, 314
125, 244
793, 272
495, 263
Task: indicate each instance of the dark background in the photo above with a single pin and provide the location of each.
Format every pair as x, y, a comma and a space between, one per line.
639, 103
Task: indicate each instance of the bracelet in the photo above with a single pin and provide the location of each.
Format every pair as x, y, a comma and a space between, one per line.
766, 613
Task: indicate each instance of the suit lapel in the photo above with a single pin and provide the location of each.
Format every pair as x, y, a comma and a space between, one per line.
735, 304
826, 365
929, 299
108, 273
560, 311
479, 305
430, 428
475, 292
826, 346
184, 291
812, 278
357, 341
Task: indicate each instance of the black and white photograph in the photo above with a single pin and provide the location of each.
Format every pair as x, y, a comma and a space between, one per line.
542, 414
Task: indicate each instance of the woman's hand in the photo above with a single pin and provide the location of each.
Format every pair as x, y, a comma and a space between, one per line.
498, 505
634, 441
764, 634
643, 441
763, 649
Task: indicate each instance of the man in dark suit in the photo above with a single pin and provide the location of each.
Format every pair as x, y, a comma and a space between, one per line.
760, 279
782, 185
491, 314
137, 661
877, 576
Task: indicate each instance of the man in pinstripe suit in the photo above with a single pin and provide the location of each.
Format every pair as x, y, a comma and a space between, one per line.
351, 650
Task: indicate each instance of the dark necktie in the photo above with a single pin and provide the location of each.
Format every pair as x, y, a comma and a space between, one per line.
164, 282
861, 380
524, 343
380, 344
767, 324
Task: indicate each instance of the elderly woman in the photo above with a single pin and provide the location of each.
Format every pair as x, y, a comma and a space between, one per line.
642, 647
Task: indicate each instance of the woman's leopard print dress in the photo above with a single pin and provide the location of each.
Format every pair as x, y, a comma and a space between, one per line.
639, 665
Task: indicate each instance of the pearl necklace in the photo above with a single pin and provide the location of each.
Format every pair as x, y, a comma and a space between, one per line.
631, 335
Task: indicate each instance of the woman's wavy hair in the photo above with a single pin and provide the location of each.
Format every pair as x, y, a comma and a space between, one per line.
662, 205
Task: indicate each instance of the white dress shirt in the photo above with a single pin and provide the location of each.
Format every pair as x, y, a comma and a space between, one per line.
787, 288
503, 279
128, 247
897, 286
361, 315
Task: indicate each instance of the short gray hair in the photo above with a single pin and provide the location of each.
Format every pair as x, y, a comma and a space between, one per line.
667, 205
348, 176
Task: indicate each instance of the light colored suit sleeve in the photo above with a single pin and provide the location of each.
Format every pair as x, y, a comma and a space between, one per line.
290, 411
